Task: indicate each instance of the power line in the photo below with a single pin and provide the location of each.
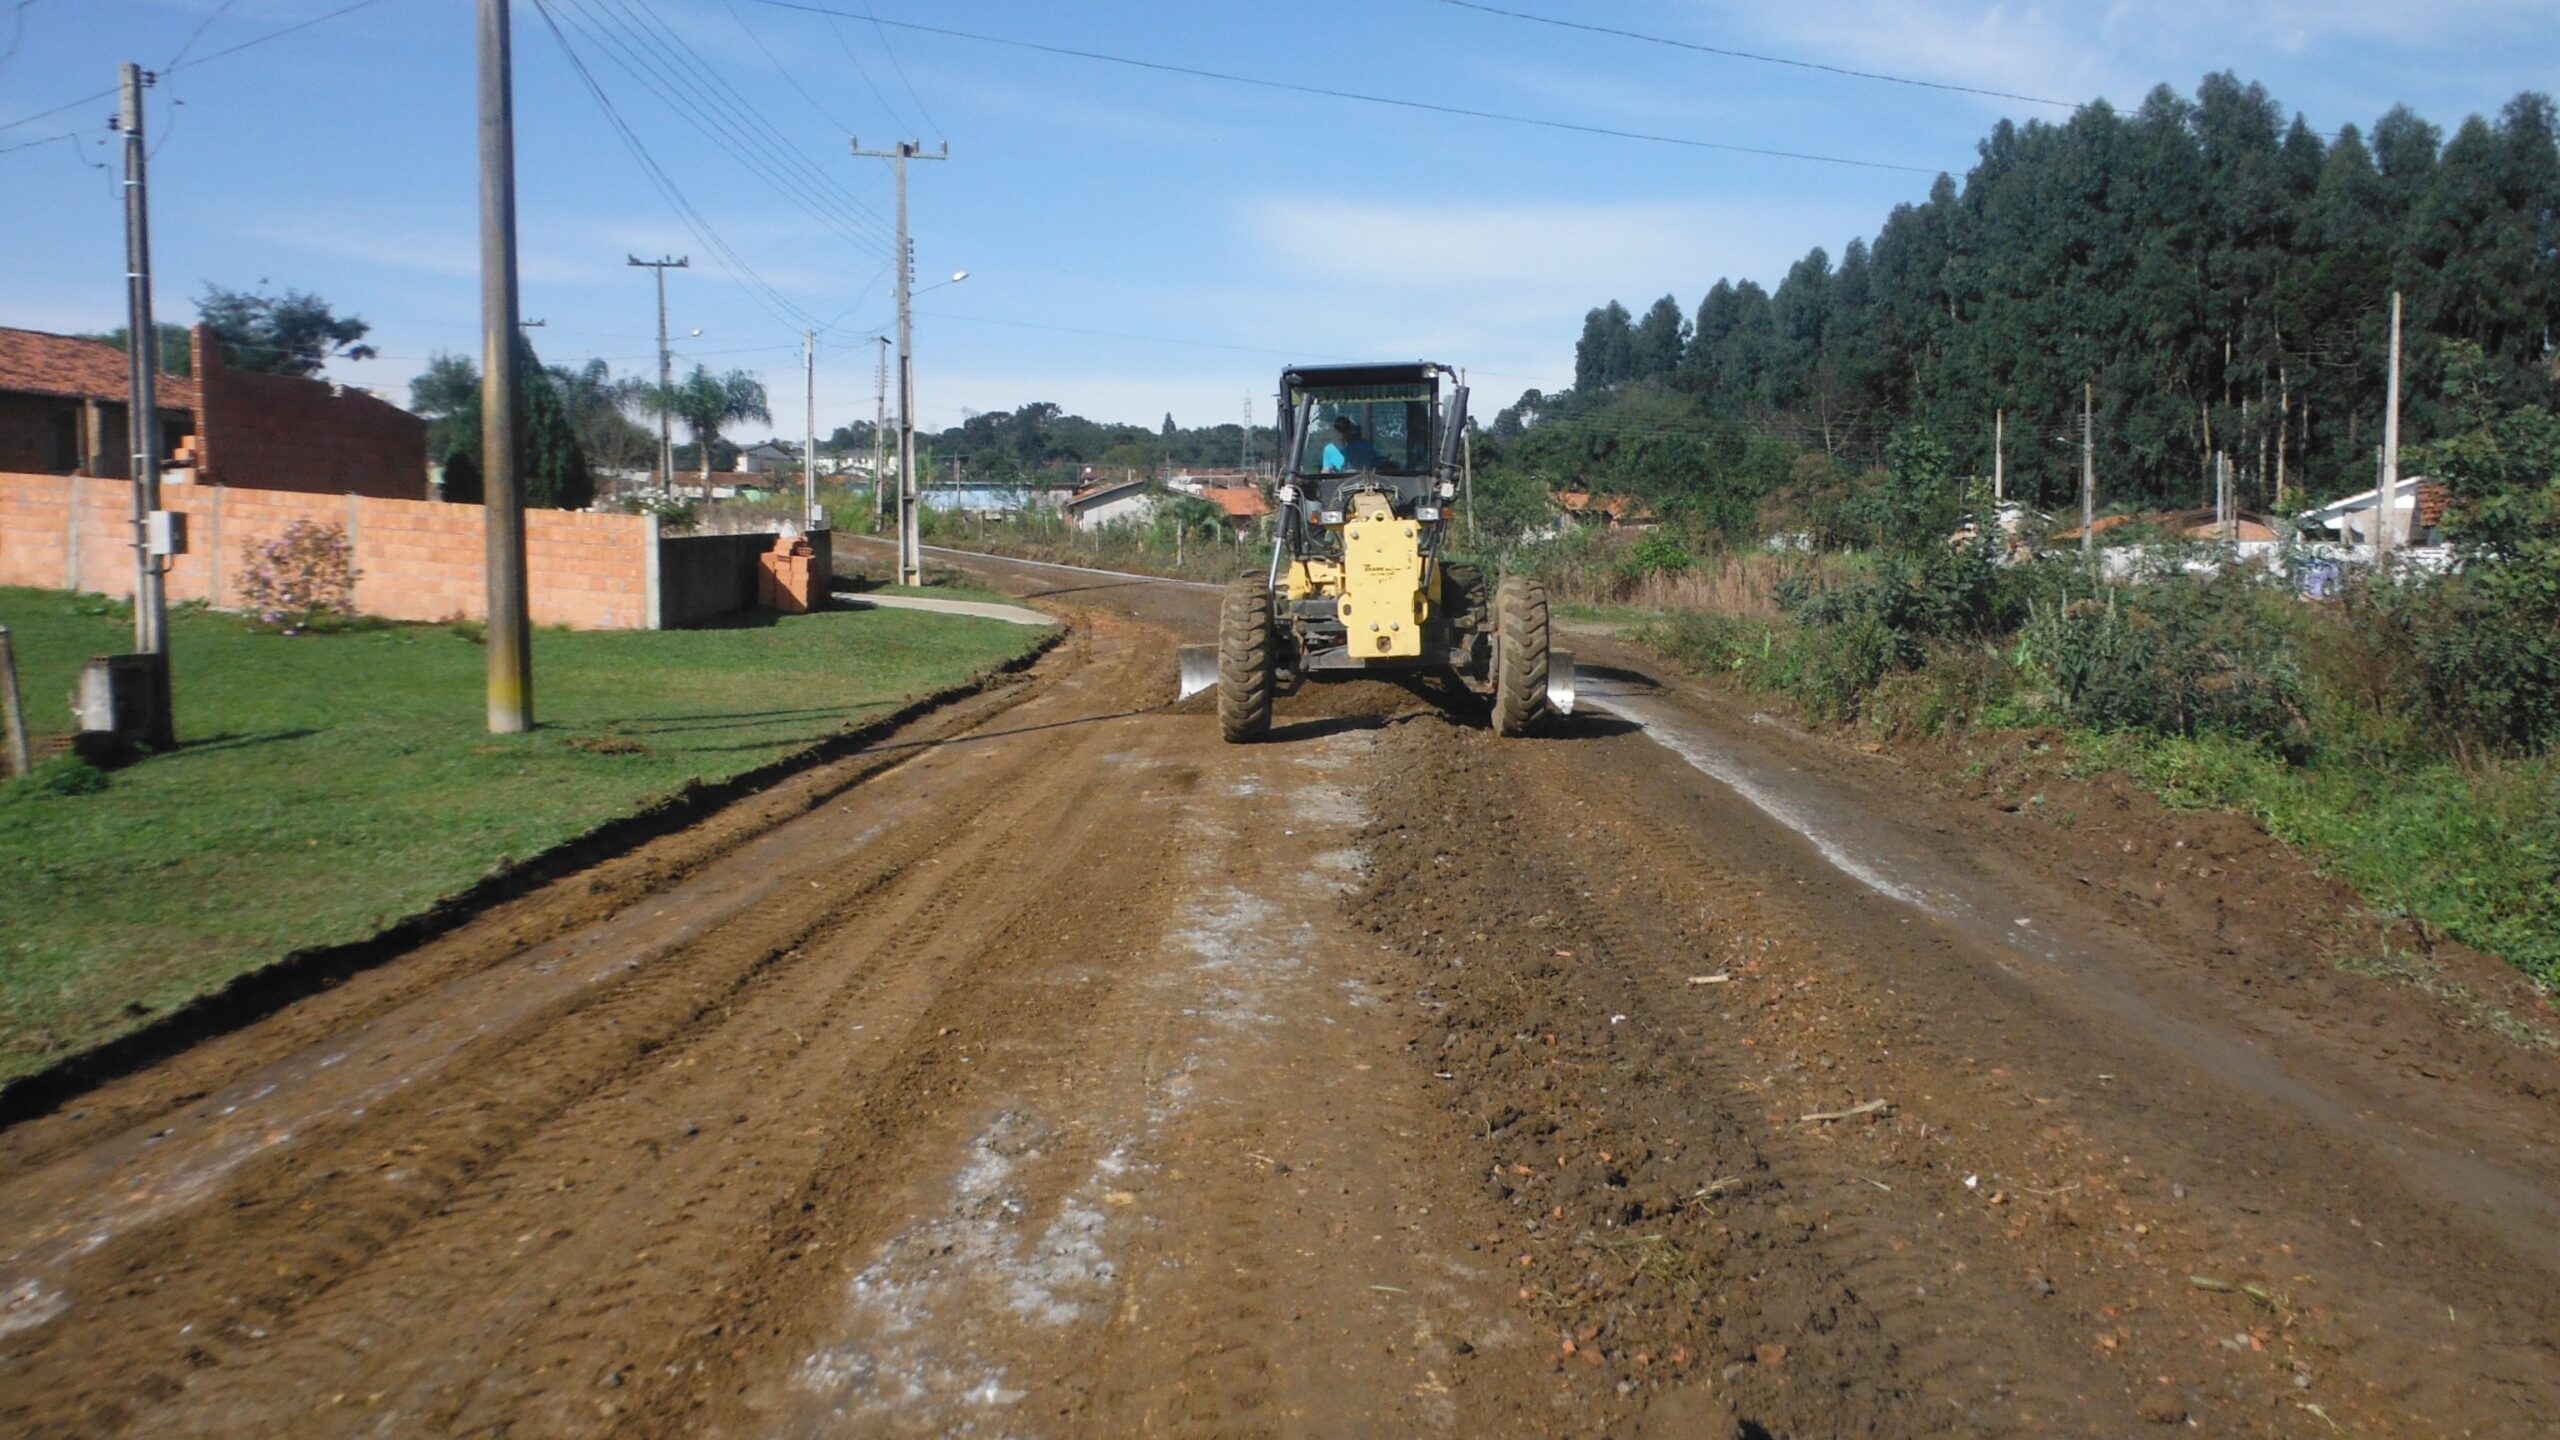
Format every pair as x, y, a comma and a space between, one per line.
249, 44
1753, 56
895, 64
788, 78
757, 287
1398, 102
769, 158
197, 34
824, 178
861, 69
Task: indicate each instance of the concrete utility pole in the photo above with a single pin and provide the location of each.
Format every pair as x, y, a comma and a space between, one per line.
1999, 456
879, 431
2088, 469
910, 548
151, 535
809, 457
666, 373
2388, 491
1466, 469
510, 631
13, 715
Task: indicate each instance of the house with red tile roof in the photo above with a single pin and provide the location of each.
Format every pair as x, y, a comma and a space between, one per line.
62, 412
63, 405
1243, 505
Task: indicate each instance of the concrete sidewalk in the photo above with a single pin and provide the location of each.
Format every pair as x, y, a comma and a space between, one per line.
983, 609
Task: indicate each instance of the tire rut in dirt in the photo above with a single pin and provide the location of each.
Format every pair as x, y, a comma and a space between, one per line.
557, 914
293, 1227
1687, 1256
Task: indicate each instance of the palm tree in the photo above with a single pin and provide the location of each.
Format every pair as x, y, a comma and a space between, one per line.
600, 406
708, 404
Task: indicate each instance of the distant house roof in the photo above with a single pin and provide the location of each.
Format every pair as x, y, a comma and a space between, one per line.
34, 362
1620, 509
1241, 502
2432, 498
2201, 524
1109, 488
778, 447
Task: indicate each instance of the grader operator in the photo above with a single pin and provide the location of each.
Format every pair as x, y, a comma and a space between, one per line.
1357, 585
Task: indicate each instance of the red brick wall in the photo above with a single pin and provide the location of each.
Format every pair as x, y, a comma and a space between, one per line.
418, 560
281, 432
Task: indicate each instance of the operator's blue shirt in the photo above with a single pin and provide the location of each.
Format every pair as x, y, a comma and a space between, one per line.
1357, 455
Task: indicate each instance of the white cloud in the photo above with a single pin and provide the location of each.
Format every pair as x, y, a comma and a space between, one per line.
2074, 51
1503, 287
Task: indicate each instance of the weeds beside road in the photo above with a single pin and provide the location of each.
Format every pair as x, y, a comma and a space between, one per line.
331, 785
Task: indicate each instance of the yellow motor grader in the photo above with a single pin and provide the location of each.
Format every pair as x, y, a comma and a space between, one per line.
1357, 586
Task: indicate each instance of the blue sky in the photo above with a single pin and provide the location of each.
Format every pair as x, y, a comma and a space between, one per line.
1138, 242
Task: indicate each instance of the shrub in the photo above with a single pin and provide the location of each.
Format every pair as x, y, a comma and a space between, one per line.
305, 576
2487, 651
57, 778
2175, 658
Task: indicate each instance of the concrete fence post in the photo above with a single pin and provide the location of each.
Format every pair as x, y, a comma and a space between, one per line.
12, 711
355, 542
213, 551
654, 610
71, 557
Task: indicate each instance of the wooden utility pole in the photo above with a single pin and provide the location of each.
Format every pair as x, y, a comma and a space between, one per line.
910, 547
2387, 493
666, 373
151, 530
510, 630
2088, 469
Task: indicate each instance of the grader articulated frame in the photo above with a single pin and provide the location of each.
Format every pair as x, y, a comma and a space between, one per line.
1357, 585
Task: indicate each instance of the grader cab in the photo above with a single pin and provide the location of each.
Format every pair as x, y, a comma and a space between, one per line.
1358, 585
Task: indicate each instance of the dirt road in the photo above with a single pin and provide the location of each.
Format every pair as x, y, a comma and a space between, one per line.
1052, 1069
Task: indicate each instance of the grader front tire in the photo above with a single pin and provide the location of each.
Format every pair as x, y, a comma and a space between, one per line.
1247, 657
1520, 656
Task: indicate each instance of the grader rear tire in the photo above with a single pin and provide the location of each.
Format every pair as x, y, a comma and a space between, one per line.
1520, 656
1247, 655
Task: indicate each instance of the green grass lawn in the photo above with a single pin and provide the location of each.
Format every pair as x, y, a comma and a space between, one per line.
332, 784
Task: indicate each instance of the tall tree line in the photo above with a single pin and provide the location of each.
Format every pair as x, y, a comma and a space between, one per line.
2220, 277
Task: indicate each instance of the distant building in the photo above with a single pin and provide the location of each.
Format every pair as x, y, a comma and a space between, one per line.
1242, 505
62, 409
772, 457
1118, 502
2417, 514
1611, 511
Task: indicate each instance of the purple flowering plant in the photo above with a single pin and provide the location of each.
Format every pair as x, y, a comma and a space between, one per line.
307, 574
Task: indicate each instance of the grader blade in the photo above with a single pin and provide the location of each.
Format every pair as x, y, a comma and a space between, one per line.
1560, 681
1199, 669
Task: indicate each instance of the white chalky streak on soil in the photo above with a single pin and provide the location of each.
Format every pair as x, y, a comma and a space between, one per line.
1659, 726
914, 1355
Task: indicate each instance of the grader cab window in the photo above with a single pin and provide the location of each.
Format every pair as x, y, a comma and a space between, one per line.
1391, 429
